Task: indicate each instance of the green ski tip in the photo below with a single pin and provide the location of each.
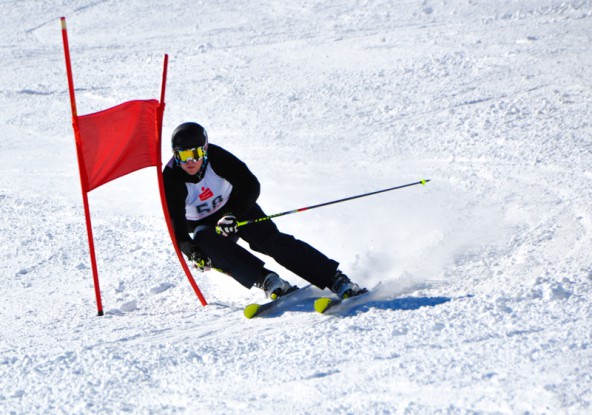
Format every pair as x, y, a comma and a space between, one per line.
423, 181
251, 310
321, 304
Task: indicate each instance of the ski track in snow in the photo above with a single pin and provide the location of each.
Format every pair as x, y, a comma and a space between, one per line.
486, 306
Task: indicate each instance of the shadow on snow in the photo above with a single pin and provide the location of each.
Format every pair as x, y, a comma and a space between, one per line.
346, 310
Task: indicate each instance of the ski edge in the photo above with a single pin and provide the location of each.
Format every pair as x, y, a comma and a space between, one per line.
251, 310
257, 309
323, 304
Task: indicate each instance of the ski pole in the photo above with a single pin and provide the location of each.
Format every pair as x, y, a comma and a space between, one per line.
289, 212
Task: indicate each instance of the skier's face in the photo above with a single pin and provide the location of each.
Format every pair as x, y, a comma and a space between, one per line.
192, 167
191, 159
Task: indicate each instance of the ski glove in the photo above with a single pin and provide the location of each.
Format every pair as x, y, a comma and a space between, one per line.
200, 261
227, 225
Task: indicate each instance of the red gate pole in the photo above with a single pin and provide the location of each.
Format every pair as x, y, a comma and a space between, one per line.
165, 207
81, 168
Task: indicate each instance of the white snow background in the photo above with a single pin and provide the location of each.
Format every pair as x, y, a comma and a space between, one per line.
487, 270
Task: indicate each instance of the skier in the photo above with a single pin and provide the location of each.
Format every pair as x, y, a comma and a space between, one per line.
208, 190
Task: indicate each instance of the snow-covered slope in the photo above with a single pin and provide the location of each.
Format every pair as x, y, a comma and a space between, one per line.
487, 270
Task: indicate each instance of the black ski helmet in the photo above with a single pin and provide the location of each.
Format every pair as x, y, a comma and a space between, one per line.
189, 135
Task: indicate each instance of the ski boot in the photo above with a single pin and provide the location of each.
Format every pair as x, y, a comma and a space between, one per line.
344, 288
275, 287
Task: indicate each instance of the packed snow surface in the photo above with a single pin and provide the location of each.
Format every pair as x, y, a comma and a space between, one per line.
486, 272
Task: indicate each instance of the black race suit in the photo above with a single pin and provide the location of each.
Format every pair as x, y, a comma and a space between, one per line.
225, 185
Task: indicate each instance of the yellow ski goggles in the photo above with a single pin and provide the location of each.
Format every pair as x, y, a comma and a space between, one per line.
195, 154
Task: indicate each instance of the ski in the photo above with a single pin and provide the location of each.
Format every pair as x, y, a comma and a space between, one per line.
324, 304
258, 310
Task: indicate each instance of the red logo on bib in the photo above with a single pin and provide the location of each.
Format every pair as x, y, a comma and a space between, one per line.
205, 194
